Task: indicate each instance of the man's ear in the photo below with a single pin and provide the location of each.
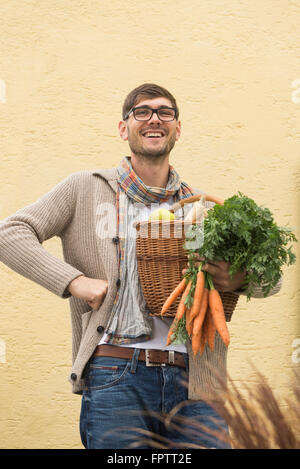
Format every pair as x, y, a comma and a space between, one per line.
178, 130
123, 130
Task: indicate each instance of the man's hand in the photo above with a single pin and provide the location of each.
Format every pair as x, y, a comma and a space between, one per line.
92, 290
219, 271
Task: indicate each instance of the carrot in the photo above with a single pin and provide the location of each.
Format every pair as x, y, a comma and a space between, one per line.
199, 339
174, 294
211, 330
196, 340
203, 336
187, 319
182, 307
198, 332
217, 312
200, 282
180, 312
188, 322
171, 331
198, 321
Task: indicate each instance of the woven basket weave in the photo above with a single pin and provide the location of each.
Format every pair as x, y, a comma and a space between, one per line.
161, 259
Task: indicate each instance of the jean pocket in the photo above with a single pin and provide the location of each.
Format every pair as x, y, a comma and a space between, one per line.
101, 376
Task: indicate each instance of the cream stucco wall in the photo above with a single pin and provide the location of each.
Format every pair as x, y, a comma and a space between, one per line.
65, 68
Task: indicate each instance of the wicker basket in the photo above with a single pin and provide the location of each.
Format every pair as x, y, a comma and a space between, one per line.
161, 259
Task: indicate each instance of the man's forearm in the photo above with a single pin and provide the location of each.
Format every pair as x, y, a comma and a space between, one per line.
21, 252
22, 235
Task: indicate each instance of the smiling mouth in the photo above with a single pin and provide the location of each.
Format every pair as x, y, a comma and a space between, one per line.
153, 134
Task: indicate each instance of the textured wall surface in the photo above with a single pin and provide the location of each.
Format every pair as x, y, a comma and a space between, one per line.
65, 68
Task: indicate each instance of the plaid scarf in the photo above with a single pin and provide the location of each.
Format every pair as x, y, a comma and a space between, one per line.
138, 191
131, 189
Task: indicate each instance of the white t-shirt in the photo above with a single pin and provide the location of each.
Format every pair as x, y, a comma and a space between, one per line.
160, 325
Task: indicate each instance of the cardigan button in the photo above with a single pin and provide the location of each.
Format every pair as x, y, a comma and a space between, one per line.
73, 376
100, 329
116, 239
118, 282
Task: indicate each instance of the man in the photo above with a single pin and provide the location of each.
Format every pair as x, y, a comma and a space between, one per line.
128, 391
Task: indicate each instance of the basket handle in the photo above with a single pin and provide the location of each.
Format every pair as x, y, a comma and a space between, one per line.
195, 198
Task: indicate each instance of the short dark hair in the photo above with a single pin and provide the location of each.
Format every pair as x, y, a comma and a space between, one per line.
147, 90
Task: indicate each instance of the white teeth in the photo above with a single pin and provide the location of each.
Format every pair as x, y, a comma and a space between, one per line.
153, 134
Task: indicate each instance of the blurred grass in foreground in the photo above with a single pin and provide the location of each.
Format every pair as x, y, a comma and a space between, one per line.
255, 418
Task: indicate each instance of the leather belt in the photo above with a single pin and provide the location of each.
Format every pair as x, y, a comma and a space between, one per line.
151, 357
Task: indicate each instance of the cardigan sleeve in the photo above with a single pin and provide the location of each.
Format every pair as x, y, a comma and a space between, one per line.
258, 292
22, 235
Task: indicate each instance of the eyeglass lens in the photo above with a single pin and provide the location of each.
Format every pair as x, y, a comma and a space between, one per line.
164, 114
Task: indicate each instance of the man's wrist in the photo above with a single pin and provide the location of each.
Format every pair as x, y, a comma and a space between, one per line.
73, 283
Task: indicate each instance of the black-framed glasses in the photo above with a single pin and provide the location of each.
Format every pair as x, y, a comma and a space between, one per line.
144, 113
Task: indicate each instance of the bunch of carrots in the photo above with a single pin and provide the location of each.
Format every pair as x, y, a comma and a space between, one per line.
200, 311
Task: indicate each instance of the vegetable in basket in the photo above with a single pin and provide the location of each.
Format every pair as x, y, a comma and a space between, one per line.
246, 236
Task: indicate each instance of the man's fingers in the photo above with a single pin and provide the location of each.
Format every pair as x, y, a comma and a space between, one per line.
219, 270
196, 256
222, 265
211, 269
97, 302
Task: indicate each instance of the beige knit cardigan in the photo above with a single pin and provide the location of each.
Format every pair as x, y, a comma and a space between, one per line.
73, 211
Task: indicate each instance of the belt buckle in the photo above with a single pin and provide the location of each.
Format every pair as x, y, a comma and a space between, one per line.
170, 362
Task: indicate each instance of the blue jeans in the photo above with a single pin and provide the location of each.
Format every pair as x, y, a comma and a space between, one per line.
126, 404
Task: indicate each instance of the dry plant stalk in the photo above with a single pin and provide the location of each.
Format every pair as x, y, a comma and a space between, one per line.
256, 420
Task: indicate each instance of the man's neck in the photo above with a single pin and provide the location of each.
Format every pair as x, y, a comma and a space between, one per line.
152, 173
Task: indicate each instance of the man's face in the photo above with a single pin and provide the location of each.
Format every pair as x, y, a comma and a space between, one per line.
153, 138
